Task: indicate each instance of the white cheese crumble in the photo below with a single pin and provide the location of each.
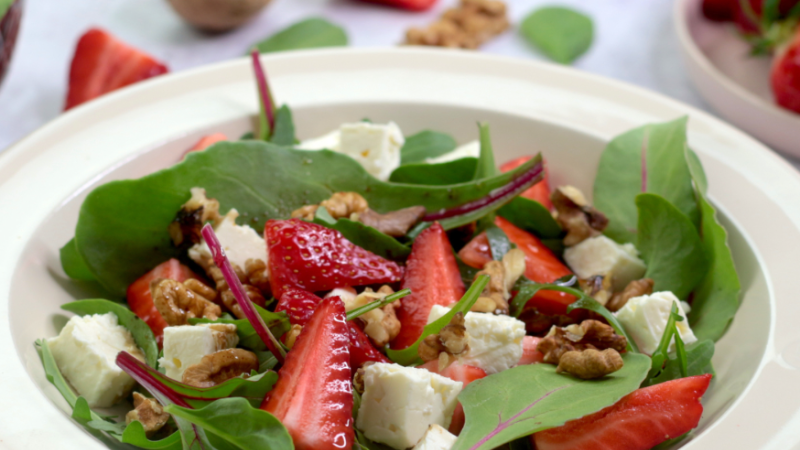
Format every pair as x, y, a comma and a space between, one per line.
600, 255
645, 318
469, 150
240, 243
185, 345
436, 438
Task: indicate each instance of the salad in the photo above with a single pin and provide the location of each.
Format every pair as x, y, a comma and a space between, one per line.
372, 290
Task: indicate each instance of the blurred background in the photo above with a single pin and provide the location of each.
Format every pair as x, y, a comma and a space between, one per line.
634, 41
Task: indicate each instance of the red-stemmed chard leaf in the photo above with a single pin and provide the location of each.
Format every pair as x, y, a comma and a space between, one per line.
221, 260
143, 375
265, 99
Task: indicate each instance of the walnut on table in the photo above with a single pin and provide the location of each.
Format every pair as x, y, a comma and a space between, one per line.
177, 303
574, 340
575, 215
470, 25
220, 366
147, 411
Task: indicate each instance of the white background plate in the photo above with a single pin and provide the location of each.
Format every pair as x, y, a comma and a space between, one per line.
566, 114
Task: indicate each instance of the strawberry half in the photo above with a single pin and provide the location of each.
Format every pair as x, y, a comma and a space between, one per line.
540, 191
206, 141
456, 372
530, 355
411, 5
300, 305
141, 301
315, 258
434, 279
639, 421
785, 76
312, 397
103, 63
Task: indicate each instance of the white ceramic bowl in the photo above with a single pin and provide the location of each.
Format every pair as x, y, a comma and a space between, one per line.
733, 82
754, 401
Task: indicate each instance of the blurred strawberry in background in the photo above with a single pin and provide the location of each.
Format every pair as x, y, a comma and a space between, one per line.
10, 17
411, 5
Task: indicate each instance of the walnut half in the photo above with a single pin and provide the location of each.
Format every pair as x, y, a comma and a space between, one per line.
147, 411
590, 363
177, 303
574, 340
635, 288
575, 215
451, 340
220, 366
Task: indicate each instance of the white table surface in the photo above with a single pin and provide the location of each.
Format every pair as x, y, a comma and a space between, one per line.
634, 42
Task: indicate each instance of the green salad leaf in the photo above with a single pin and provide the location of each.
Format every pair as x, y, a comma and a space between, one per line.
646, 159
716, 298
122, 228
314, 32
661, 354
670, 245
134, 434
451, 172
278, 324
73, 264
426, 144
141, 333
364, 236
560, 33
498, 410
410, 356
498, 242
284, 128
531, 216
698, 362
486, 166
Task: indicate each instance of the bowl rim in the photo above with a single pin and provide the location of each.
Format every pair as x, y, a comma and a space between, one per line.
114, 107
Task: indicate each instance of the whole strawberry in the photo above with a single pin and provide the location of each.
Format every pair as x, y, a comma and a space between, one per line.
785, 76
719, 10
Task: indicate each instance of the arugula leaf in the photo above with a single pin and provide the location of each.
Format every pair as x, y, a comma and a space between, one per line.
560, 33
451, 172
660, 356
141, 333
530, 398
486, 167
498, 242
698, 362
716, 298
284, 127
73, 264
235, 423
122, 229
426, 144
670, 245
278, 324
134, 434
409, 356
646, 159
364, 236
354, 313
314, 32
532, 216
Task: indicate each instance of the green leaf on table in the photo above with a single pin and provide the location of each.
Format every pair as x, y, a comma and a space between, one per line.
560, 33
532, 216
716, 298
283, 134
426, 144
409, 356
498, 242
364, 236
122, 228
670, 246
451, 172
698, 362
73, 264
530, 398
235, 423
646, 159
141, 333
314, 32
278, 324
486, 167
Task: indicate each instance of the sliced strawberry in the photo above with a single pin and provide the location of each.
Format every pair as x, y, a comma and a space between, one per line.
103, 63
540, 191
434, 279
719, 10
785, 76
315, 258
206, 141
312, 397
529, 353
411, 5
141, 302
477, 252
300, 305
456, 372
639, 421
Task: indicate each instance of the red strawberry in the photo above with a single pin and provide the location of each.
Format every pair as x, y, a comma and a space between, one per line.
529, 353
141, 302
540, 191
411, 5
456, 372
315, 258
719, 10
748, 19
785, 76
103, 63
300, 305
206, 141
312, 397
434, 279
639, 421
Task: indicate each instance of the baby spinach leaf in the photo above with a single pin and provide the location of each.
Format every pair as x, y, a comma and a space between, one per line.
716, 298
530, 398
409, 356
660, 356
314, 32
698, 362
426, 144
531, 216
73, 264
646, 159
451, 172
141, 333
134, 434
235, 423
670, 245
122, 229
284, 128
364, 236
278, 324
498, 242
486, 167
560, 33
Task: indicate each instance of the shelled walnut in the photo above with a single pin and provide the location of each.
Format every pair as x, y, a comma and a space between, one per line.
575, 215
380, 324
635, 288
452, 341
147, 411
177, 303
188, 222
573, 340
220, 366
226, 297
471, 24
502, 277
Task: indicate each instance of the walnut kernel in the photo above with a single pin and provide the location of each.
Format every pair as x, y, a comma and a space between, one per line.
147, 411
177, 304
635, 288
590, 363
220, 366
576, 215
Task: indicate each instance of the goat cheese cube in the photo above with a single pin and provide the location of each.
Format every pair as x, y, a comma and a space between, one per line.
436, 438
400, 403
495, 341
469, 150
600, 255
329, 141
185, 345
239, 241
86, 352
645, 318
376, 147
